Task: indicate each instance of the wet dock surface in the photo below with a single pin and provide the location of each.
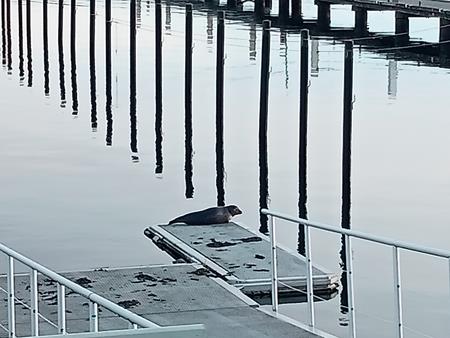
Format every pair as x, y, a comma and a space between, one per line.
167, 295
240, 256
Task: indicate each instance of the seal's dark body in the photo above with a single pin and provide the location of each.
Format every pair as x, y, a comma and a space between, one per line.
215, 215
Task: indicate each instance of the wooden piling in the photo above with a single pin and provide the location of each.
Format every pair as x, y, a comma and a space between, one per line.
296, 11
92, 74
189, 192
62, 83
45, 45
73, 57
108, 75
302, 143
283, 11
20, 29
361, 27
158, 87
263, 119
220, 170
444, 37
401, 28
347, 133
133, 118
323, 15
259, 8
346, 168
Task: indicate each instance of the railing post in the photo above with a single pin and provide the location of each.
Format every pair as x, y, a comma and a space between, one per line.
11, 300
350, 292
93, 317
132, 326
273, 247
34, 303
309, 277
61, 309
398, 292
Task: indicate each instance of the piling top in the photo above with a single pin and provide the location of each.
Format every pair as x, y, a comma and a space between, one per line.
189, 7
221, 15
266, 24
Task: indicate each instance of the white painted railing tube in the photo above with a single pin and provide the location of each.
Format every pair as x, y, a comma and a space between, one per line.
274, 271
107, 304
93, 317
361, 235
350, 288
309, 277
398, 292
11, 299
61, 308
34, 303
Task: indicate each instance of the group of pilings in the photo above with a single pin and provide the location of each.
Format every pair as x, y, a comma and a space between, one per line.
401, 24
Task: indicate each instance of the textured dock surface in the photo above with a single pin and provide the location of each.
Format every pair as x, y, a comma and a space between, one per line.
166, 295
238, 255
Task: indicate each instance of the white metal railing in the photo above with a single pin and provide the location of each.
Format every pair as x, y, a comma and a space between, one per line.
135, 321
348, 234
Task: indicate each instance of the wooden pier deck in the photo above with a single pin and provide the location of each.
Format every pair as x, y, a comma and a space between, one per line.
241, 257
167, 295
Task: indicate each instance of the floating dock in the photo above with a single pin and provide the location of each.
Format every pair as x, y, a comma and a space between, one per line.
242, 258
167, 295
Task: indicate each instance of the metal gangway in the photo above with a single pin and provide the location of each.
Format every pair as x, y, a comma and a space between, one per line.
138, 326
348, 236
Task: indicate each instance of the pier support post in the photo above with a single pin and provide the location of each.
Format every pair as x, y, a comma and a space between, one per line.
283, 11
220, 167
263, 118
401, 28
232, 3
302, 141
361, 21
323, 15
444, 37
189, 192
158, 88
260, 8
296, 11
108, 73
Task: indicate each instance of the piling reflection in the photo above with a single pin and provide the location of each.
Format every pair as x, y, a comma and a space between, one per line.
133, 118
284, 55
168, 23
392, 79
3, 10
314, 58
8, 35
29, 51
62, 81
73, 58
20, 32
252, 41
209, 29
92, 75
45, 46
108, 75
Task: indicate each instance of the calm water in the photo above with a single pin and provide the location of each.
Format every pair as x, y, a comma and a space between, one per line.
78, 181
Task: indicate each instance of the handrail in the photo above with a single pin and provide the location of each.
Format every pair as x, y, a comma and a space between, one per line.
347, 236
361, 235
107, 304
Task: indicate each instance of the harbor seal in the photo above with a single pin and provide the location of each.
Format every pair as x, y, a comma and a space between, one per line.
215, 215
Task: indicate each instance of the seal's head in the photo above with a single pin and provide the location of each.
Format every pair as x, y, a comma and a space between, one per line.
233, 210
